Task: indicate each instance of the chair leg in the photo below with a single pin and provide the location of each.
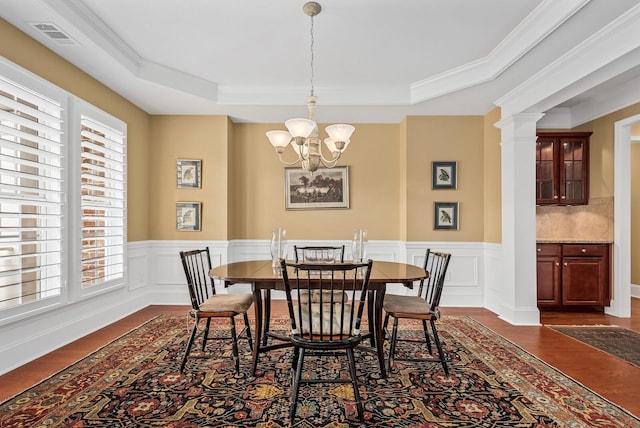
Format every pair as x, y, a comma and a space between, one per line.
439, 346
194, 330
206, 334
354, 383
394, 338
246, 324
267, 316
426, 336
296, 385
384, 325
234, 343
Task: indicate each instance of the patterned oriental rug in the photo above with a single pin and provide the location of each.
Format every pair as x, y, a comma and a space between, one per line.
134, 382
617, 341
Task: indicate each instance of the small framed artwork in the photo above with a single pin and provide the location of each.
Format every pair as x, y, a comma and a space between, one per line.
325, 188
445, 216
188, 215
444, 175
189, 173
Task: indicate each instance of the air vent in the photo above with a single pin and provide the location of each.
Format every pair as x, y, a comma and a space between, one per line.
54, 33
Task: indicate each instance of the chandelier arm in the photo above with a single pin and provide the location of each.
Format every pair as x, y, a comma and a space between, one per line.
330, 163
289, 163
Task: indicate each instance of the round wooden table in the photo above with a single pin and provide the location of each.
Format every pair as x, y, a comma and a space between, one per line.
264, 278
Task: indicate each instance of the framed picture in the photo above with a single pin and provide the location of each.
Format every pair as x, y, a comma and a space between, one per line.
188, 173
325, 188
444, 175
445, 216
188, 215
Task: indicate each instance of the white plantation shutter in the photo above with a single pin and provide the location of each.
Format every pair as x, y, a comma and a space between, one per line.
31, 195
102, 203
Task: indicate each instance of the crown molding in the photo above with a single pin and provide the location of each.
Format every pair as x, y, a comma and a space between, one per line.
580, 69
607, 102
541, 22
84, 20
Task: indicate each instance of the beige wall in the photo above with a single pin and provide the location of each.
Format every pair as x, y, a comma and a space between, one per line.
257, 181
492, 178
26, 52
445, 138
189, 137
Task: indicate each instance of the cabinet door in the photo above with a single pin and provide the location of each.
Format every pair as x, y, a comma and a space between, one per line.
548, 280
582, 280
574, 177
546, 171
562, 168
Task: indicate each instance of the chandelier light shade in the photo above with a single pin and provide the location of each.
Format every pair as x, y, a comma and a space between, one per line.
302, 134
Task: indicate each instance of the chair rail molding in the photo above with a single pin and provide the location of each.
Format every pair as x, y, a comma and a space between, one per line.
155, 277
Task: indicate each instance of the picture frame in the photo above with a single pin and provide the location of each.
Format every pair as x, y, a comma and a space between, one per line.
445, 216
189, 173
188, 216
444, 175
326, 188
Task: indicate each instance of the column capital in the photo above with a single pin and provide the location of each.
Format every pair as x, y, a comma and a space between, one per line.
518, 119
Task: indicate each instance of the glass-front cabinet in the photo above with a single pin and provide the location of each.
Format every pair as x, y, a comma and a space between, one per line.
562, 168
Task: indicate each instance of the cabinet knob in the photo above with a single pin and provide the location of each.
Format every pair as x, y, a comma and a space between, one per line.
539, 249
564, 197
584, 250
558, 263
565, 263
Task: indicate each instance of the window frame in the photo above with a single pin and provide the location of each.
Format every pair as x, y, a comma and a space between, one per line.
73, 107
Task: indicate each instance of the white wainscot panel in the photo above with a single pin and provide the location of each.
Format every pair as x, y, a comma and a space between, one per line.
493, 278
138, 271
464, 279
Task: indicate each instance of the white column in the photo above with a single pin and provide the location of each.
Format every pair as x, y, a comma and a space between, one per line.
519, 300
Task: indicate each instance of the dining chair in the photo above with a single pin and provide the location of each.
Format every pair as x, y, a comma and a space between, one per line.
325, 303
320, 253
206, 304
423, 306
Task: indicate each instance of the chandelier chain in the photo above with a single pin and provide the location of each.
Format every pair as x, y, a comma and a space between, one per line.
302, 133
312, 54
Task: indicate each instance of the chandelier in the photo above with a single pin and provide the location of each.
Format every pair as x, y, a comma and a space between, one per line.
302, 133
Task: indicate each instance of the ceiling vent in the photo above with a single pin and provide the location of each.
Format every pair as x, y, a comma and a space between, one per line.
54, 33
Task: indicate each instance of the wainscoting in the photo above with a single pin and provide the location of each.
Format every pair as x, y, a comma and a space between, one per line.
155, 277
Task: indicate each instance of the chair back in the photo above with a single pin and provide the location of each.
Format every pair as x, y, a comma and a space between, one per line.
197, 264
325, 301
319, 254
436, 263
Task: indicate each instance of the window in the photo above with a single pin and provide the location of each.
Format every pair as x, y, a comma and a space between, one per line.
102, 203
31, 195
62, 195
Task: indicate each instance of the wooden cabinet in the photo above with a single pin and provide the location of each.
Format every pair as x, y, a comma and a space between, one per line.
575, 275
562, 168
548, 268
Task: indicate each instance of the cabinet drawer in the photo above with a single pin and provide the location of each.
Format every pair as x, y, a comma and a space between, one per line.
548, 250
584, 250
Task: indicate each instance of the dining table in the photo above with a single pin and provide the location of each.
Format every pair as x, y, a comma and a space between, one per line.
265, 278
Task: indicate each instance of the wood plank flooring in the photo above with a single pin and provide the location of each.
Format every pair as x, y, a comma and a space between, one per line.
610, 377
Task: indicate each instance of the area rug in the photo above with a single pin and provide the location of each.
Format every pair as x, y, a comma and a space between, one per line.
135, 381
617, 341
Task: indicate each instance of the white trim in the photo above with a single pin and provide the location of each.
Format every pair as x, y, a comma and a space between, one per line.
621, 302
588, 64
541, 22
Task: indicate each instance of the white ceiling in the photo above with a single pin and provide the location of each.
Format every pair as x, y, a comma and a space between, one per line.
375, 60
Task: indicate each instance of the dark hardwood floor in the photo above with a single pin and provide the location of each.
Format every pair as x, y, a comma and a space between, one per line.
612, 378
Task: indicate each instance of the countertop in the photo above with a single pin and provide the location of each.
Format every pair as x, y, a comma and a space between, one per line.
571, 241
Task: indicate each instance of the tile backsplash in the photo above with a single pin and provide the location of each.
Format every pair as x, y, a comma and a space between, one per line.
593, 222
